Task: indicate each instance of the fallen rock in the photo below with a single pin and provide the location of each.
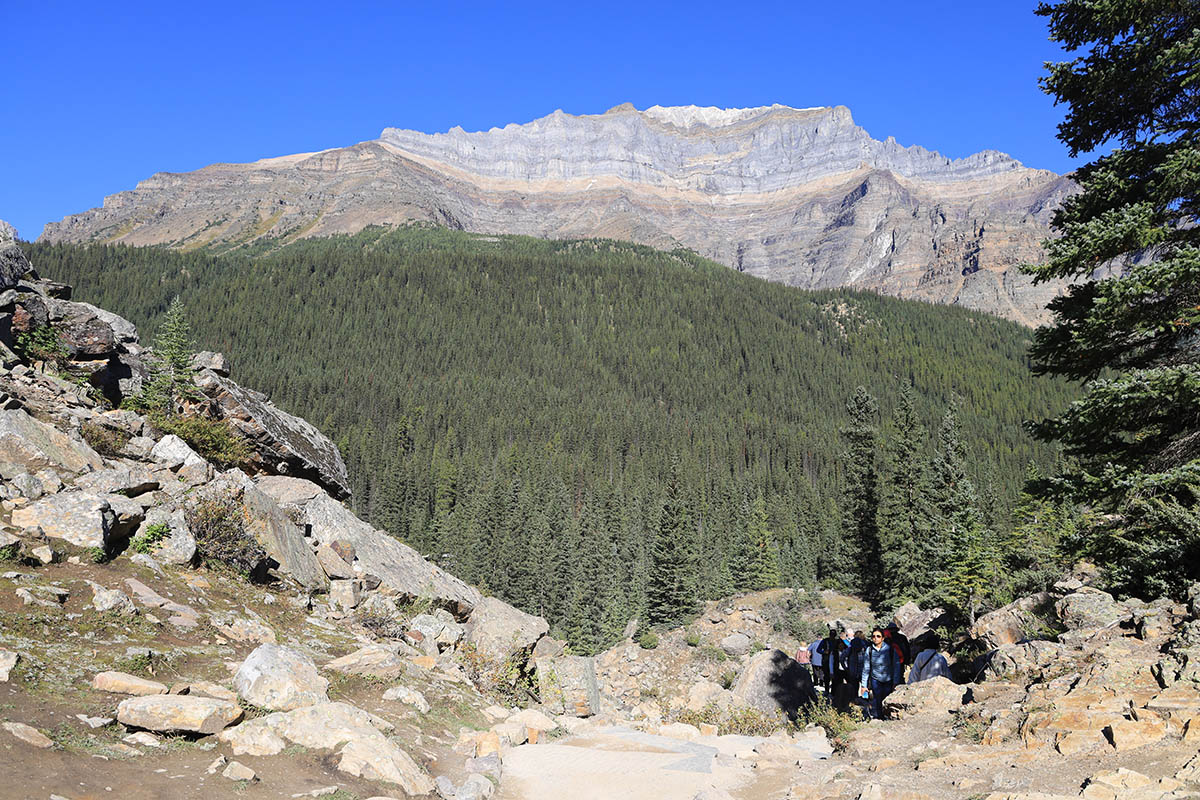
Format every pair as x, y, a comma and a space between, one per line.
1090, 608
237, 771
409, 697
124, 683
28, 734
8, 660
173, 452
282, 538
774, 683
28, 445
81, 518
498, 631
168, 712
936, 695
143, 739
243, 629
532, 718
567, 684
280, 678
374, 660
179, 546
736, 644
114, 600
1016, 622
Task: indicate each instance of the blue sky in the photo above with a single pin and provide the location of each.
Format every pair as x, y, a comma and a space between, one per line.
101, 95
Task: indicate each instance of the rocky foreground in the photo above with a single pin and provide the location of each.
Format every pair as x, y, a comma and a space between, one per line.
172, 628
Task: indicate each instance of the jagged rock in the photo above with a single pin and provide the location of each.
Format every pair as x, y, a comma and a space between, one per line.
211, 361
13, 263
124, 683
243, 629
1015, 622
499, 631
935, 695
334, 565
28, 445
27, 733
8, 660
114, 600
773, 683
475, 787
179, 547
81, 518
173, 452
288, 491
703, 694
237, 771
279, 678
365, 751
83, 334
283, 443
736, 644
399, 567
1129, 734
282, 538
127, 480
374, 660
344, 594
410, 697
567, 684
167, 712
1090, 608
1025, 659
123, 330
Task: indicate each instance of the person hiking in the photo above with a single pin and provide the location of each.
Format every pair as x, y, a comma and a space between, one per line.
815, 659
804, 658
833, 665
899, 644
928, 664
878, 673
854, 663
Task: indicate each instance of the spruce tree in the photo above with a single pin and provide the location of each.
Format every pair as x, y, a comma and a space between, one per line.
669, 596
1128, 327
858, 559
764, 563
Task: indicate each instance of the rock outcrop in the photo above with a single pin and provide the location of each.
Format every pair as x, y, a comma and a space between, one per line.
800, 196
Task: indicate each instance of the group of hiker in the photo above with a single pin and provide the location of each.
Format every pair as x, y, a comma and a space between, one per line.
853, 669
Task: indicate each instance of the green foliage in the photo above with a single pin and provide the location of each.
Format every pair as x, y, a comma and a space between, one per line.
710, 653
97, 555
735, 720
790, 615
837, 724
507, 680
1128, 329
648, 640
514, 408
104, 440
214, 439
855, 556
217, 521
727, 679
42, 344
10, 553
148, 540
763, 568
692, 639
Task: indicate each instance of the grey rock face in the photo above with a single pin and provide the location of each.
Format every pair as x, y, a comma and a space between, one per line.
28, 445
179, 547
83, 519
283, 443
774, 683
567, 685
799, 196
280, 678
498, 630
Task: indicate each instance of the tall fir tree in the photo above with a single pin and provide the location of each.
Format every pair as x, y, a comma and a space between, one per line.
670, 595
858, 560
764, 563
1128, 329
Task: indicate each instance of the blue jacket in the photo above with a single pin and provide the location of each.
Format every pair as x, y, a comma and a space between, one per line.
878, 663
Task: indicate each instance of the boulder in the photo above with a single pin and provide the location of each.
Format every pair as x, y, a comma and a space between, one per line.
173, 452
81, 518
533, 719
8, 660
81, 331
1016, 622
216, 362
243, 629
1090, 608
1130, 734
172, 712
399, 567
13, 263
410, 697
736, 644
179, 547
28, 445
279, 678
114, 600
124, 683
772, 683
27, 733
936, 695
567, 685
374, 660
344, 595
282, 443
500, 631
123, 330
237, 771
1019, 660
128, 480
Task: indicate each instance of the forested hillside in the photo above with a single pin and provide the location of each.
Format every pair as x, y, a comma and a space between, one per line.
533, 413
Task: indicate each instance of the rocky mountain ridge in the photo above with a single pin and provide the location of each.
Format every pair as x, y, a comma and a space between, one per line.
800, 196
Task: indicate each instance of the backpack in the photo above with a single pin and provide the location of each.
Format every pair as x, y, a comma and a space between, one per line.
900, 646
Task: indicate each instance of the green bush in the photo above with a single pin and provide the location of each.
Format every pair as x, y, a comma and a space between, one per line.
41, 344
217, 522
711, 653
740, 720
693, 639
104, 440
727, 679
212, 438
837, 724
146, 541
789, 616
648, 640
97, 555
11, 553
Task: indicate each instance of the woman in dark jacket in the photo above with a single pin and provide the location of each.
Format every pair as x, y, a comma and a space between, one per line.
878, 673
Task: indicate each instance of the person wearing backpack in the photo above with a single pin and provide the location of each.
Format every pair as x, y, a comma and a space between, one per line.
854, 663
900, 647
878, 674
833, 665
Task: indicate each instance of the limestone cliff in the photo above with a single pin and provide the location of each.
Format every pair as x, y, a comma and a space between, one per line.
800, 196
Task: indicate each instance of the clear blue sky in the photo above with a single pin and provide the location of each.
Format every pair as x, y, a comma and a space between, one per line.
99, 96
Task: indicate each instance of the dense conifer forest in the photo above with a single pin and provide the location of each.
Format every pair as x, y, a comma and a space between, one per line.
594, 429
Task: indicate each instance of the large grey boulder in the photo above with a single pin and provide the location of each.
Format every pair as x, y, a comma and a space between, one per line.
179, 547
82, 332
1024, 659
280, 678
171, 712
937, 695
567, 685
500, 631
81, 518
129, 480
28, 445
13, 263
283, 443
123, 330
398, 567
773, 682
1018, 621
1090, 608
282, 538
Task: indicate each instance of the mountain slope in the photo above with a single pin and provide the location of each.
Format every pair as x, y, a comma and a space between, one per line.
798, 196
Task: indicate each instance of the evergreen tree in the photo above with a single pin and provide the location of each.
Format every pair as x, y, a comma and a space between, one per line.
764, 564
858, 559
1128, 328
906, 513
171, 368
1034, 550
669, 596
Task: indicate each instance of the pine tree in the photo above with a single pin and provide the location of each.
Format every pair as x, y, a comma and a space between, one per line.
906, 513
859, 561
669, 593
1129, 328
171, 369
764, 564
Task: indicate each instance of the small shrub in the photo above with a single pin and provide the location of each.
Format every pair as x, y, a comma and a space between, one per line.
727, 679
212, 438
146, 541
648, 640
711, 654
693, 639
507, 680
96, 555
216, 521
970, 727
11, 553
756, 647
42, 344
381, 626
837, 724
104, 440
788, 616
742, 720
145, 664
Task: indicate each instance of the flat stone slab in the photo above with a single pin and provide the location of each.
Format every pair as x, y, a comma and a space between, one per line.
124, 683
173, 712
